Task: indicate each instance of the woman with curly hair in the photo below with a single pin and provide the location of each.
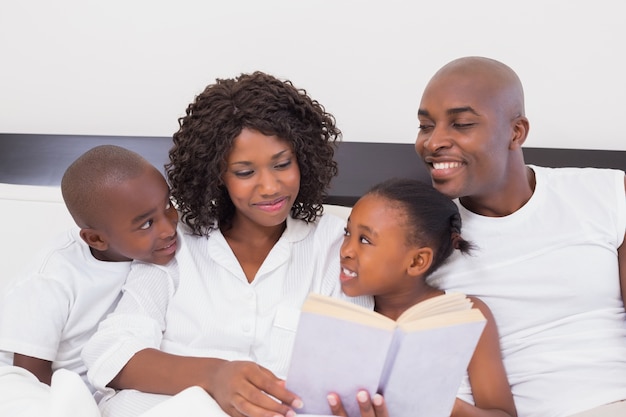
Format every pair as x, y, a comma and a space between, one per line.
250, 167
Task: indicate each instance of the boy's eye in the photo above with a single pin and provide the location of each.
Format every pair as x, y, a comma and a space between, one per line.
346, 232
364, 240
146, 225
424, 127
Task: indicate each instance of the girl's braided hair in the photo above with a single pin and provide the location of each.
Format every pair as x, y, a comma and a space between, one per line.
430, 218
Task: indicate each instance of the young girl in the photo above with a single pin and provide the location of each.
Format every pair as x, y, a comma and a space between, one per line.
249, 169
397, 234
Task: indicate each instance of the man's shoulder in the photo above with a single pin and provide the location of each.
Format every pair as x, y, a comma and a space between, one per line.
585, 177
577, 171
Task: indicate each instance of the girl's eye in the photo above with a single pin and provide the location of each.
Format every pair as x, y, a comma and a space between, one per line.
146, 225
346, 232
364, 240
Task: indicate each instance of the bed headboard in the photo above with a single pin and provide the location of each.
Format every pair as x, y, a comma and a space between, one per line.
38, 159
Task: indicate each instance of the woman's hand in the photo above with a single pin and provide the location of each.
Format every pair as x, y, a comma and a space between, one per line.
370, 407
244, 389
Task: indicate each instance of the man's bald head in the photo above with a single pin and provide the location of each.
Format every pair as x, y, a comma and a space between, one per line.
492, 77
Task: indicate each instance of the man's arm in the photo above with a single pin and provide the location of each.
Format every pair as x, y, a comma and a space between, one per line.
621, 259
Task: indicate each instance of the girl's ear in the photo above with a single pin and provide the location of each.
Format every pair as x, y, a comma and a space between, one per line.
94, 239
421, 260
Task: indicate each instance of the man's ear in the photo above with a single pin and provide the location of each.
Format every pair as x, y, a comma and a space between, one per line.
421, 260
94, 239
520, 132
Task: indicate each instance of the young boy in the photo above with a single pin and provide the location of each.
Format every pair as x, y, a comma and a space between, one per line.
121, 204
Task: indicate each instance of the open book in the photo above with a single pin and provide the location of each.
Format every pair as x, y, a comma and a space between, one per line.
416, 362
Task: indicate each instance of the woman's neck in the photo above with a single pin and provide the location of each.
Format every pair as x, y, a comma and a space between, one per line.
251, 243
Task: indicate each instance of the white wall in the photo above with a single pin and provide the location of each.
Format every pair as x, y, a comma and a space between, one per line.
130, 67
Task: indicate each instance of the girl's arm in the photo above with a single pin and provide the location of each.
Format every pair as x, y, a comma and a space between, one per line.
490, 385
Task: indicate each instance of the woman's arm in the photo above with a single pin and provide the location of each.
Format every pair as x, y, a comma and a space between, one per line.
125, 354
239, 387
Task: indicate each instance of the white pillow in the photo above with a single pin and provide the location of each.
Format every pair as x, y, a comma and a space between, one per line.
31, 217
340, 211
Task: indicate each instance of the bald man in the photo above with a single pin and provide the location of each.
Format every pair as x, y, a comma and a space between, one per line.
551, 258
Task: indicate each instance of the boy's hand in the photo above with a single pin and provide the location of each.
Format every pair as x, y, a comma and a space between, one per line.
244, 389
370, 407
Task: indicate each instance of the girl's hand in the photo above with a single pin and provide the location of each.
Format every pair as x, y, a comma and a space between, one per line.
370, 407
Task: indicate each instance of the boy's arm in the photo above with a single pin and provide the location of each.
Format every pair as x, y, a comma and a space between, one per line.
241, 388
41, 368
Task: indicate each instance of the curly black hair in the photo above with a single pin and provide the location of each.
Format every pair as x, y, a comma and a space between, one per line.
260, 102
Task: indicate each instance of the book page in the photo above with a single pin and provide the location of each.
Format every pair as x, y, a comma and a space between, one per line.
428, 369
334, 355
442, 320
436, 305
335, 307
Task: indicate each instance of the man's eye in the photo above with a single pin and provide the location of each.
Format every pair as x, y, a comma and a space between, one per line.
463, 125
424, 127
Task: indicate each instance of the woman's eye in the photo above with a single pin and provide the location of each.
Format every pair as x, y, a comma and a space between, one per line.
283, 165
243, 174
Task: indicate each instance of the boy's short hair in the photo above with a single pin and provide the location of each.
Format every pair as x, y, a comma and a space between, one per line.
99, 169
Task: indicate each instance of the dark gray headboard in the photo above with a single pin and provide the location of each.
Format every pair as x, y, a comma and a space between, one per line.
41, 160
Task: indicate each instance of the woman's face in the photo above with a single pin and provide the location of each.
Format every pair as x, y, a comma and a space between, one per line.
262, 178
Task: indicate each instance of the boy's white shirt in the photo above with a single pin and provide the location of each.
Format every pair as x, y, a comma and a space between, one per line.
55, 306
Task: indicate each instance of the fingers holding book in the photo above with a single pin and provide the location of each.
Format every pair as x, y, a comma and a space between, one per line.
369, 406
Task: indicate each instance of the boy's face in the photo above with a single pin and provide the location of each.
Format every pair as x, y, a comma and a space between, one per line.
374, 253
262, 177
137, 221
